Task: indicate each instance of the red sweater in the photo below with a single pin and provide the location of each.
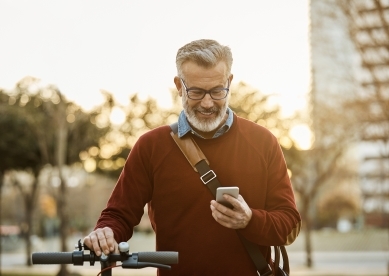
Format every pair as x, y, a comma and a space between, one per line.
157, 173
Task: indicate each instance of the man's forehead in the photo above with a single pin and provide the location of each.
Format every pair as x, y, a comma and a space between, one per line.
193, 68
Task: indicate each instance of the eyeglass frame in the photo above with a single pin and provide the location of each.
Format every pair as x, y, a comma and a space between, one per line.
227, 89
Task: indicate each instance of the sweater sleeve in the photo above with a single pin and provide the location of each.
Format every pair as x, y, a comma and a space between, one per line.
279, 222
132, 191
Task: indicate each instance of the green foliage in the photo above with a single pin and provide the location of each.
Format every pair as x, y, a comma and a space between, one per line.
17, 150
29, 127
82, 132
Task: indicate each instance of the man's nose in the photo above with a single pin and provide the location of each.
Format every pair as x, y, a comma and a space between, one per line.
207, 101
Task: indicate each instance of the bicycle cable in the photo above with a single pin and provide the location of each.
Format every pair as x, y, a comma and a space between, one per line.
107, 268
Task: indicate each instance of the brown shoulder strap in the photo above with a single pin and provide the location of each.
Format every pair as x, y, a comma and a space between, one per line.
190, 149
198, 161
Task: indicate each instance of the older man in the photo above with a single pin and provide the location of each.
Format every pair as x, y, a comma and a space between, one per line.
182, 210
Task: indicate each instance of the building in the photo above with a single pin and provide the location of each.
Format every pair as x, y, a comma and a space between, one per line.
350, 64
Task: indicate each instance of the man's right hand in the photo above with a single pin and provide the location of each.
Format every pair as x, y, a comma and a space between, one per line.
101, 240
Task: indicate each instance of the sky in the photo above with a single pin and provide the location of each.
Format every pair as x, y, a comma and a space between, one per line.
128, 47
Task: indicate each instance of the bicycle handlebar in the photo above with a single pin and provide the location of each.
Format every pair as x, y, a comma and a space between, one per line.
161, 257
52, 258
158, 259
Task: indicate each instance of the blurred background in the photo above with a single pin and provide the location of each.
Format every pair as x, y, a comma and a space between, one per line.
80, 81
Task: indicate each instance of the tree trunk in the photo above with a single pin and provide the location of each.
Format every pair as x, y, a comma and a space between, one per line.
61, 160
308, 244
29, 198
63, 224
307, 232
28, 234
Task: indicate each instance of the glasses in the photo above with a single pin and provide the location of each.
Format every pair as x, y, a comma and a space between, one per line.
218, 93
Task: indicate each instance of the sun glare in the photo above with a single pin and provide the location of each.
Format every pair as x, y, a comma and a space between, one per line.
117, 116
302, 136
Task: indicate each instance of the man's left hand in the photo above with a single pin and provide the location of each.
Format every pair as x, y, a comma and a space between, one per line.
236, 218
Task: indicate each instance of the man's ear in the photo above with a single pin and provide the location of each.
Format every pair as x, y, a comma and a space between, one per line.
178, 83
231, 77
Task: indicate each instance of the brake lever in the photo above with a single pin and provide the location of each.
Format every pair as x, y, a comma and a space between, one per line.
132, 262
143, 265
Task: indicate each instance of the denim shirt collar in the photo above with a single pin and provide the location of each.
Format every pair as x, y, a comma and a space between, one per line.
184, 127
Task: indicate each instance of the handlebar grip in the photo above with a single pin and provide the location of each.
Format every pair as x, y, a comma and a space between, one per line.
160, 257
52, 258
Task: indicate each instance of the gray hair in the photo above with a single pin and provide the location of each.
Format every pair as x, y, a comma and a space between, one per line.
204, 52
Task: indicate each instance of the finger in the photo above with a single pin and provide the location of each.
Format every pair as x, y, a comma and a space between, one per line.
103, 241
234, 219
221, 208
116, 248
220, 217
87, 242
94, 242
235, 202
115, 251
108, 238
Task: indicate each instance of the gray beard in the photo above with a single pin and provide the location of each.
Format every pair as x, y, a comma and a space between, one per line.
204, 125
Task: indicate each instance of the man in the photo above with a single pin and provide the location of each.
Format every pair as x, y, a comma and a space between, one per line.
182, 210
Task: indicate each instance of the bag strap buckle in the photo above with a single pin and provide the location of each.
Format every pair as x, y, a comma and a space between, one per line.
208, 176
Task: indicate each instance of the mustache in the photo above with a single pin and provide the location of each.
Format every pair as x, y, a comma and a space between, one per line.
206, 110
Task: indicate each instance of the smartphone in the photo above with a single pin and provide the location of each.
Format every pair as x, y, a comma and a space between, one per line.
232, 191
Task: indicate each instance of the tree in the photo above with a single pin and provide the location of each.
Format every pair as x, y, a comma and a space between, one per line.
19, 151
326, 163
42, 128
